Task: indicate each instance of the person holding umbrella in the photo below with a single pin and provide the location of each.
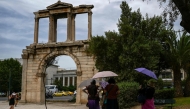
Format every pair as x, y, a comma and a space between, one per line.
149, 95
93, 95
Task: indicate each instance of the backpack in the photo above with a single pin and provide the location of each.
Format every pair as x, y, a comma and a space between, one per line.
141, 98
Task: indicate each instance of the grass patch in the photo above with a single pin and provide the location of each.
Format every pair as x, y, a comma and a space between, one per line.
182, 101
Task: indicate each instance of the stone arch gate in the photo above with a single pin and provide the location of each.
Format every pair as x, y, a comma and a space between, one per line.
36, 56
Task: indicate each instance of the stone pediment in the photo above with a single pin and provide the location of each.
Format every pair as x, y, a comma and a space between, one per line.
59, 4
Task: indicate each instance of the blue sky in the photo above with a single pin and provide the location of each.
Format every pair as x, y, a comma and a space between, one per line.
17, 23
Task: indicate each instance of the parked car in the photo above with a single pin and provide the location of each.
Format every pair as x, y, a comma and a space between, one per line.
69, 92
52, 88
62, 93
2, 94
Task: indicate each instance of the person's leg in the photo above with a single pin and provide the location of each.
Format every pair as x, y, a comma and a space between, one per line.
11, 106
97, 105
16, 101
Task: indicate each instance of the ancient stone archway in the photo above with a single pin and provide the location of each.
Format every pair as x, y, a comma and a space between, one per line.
37, 55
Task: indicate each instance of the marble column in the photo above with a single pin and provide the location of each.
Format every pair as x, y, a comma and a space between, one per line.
73, 27
69, 23
79, 92
63, 81
36, 29
51, 22
54, 30
73, 81
24, 78
89, 25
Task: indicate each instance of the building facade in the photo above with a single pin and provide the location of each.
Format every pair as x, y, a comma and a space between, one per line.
68, 77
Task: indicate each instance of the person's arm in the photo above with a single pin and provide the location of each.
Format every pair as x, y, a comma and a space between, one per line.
117, 90
105, 90
85, 90
99, 89
9, 97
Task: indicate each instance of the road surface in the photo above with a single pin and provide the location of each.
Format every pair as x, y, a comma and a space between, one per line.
61, 98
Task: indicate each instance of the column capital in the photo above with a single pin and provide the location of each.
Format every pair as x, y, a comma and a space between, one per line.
90, 12
25, 56
36, 18
36, 29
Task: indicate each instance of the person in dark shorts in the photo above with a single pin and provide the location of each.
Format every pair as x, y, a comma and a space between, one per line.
112, 91
93, 95
12, 100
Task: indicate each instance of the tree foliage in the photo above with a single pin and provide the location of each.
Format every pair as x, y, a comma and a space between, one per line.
138, 44
178, 58
175, 8
10, 73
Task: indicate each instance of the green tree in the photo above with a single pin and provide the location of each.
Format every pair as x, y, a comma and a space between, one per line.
59, 84
138, 44
141, 39
185, 61
106, 50
178, 58
10, 73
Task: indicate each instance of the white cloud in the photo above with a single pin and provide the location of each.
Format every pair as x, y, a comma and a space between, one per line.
15, 36
9, 46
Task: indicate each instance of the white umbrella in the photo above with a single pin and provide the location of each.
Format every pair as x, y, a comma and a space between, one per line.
104, 74
87, 82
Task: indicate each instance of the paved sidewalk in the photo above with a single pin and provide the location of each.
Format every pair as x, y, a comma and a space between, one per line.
50, 105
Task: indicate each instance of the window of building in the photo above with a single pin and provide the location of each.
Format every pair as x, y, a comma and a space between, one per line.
181, 75
66, 81
166, 75
75, 81
61, 80
56, 79
71, 81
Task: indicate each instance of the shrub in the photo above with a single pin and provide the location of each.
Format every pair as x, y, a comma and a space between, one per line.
72, 88
128, 94
164, 94
65, 88
159, 84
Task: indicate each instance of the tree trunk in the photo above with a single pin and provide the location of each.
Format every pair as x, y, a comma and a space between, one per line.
187, 86
177, 82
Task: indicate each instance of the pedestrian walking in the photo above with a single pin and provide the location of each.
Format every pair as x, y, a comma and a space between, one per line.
16, 99
103, 85
93, 95
112, 91
12, 100
149, 95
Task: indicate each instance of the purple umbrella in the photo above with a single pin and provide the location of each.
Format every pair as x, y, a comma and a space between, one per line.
146, 72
